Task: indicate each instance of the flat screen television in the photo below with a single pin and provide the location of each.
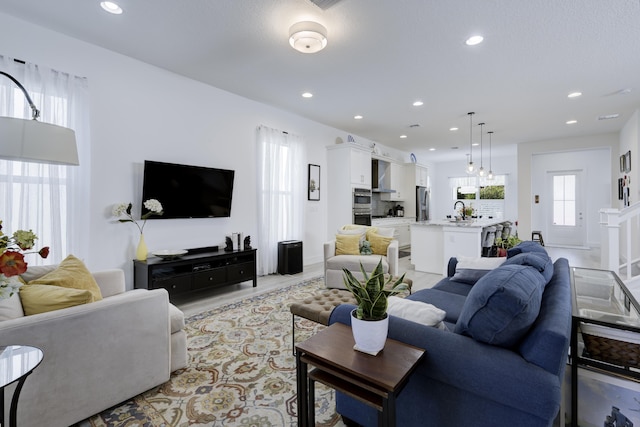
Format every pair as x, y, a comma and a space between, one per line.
188, 191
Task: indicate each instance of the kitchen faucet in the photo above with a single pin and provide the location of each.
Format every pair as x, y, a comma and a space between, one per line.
463, 208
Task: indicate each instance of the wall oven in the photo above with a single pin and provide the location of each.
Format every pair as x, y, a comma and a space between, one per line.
362, 206
362, 216
361, 198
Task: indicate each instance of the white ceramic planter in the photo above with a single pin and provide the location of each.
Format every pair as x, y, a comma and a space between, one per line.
370, 335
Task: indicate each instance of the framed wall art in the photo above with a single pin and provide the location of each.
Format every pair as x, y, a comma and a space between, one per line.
623, 165
314, 182
627, 161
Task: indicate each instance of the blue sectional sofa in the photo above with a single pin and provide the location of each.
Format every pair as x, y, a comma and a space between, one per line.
502, 361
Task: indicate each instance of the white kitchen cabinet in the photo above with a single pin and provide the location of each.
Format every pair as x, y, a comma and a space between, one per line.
394, 180
348, 167
360, 167
404, 235
422, 176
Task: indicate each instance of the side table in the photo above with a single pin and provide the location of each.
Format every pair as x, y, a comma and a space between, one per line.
374, 380
16, 364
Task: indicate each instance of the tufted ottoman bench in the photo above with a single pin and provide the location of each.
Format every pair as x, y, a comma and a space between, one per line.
319, 306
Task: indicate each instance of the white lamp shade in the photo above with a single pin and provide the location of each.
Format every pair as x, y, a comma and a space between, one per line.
34, 141
308, 37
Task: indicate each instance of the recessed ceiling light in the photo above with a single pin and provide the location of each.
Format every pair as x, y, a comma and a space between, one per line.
418, 103
403, 136
475, 144
111, 7
432, 149
358, 117
574, 94
453, 129
474, 40
307, 95
572, 122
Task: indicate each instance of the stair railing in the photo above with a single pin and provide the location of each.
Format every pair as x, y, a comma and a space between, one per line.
618, 255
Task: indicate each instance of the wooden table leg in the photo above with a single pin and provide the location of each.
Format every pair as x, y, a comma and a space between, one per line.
302, 400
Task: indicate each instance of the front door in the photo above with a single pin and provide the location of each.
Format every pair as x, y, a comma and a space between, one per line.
565, 214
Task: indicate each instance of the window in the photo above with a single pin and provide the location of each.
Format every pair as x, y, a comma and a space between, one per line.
42, 197
487, 195
564, 200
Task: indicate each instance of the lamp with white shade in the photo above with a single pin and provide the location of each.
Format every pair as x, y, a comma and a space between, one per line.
34, 141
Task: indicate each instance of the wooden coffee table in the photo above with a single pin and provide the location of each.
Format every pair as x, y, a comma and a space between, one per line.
374, 380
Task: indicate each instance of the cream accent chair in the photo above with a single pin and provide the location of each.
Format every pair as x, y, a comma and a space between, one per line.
333, 264
96, 355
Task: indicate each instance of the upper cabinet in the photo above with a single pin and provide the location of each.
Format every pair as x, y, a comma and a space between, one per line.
422, 176
360, 167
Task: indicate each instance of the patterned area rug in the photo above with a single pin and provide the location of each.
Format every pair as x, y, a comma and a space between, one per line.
241, 371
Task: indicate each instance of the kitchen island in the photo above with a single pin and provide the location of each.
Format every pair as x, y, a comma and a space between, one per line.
434, 242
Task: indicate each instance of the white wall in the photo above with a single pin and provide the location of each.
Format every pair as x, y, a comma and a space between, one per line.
141, 112
526, 151
441, 198
630, 141
596, 188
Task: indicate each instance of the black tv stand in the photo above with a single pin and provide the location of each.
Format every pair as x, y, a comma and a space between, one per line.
199, 269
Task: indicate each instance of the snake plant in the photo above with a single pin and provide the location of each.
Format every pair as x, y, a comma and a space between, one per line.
371, 293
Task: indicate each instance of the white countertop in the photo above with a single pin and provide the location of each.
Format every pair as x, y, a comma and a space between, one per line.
474, 223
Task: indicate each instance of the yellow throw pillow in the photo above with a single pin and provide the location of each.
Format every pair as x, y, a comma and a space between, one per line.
347, 244
71, 273
42, 298
379, 244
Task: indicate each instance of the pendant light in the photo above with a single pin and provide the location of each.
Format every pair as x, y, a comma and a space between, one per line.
490, 175
481, 171
471, 169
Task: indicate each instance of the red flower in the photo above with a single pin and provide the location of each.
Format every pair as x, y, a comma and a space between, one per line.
12, 263
44, 252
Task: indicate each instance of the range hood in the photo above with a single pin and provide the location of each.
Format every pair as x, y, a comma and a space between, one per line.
379, 170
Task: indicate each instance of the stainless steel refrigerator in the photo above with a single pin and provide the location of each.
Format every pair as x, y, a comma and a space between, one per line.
422, 203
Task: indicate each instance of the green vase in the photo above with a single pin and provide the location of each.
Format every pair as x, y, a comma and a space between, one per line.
141, 251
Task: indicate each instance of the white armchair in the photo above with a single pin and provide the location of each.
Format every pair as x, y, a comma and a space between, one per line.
333, 264
96, 355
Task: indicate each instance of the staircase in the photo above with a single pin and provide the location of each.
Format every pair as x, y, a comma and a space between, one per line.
620, 248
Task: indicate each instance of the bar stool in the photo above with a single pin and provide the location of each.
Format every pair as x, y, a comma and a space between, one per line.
536, 236
489, 239
506, 230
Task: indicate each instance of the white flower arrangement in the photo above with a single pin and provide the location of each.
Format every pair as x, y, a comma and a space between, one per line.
153, 206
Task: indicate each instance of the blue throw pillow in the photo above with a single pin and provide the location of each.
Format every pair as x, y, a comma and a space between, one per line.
537, 260
502, 305
526, 246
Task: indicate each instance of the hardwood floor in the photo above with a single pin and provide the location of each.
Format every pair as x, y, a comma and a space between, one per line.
197, 303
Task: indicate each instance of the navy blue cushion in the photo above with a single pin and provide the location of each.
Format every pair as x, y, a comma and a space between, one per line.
502, 305
539, 261
526, 246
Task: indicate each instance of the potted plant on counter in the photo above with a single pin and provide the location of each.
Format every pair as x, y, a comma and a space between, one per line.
369, 321
504, 244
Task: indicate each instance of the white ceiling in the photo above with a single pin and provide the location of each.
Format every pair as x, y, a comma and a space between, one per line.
382, 55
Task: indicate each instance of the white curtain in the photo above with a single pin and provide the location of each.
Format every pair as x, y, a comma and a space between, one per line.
51, 200
282, 184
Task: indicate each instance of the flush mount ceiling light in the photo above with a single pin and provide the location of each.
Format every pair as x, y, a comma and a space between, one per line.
111, 7
308, 37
